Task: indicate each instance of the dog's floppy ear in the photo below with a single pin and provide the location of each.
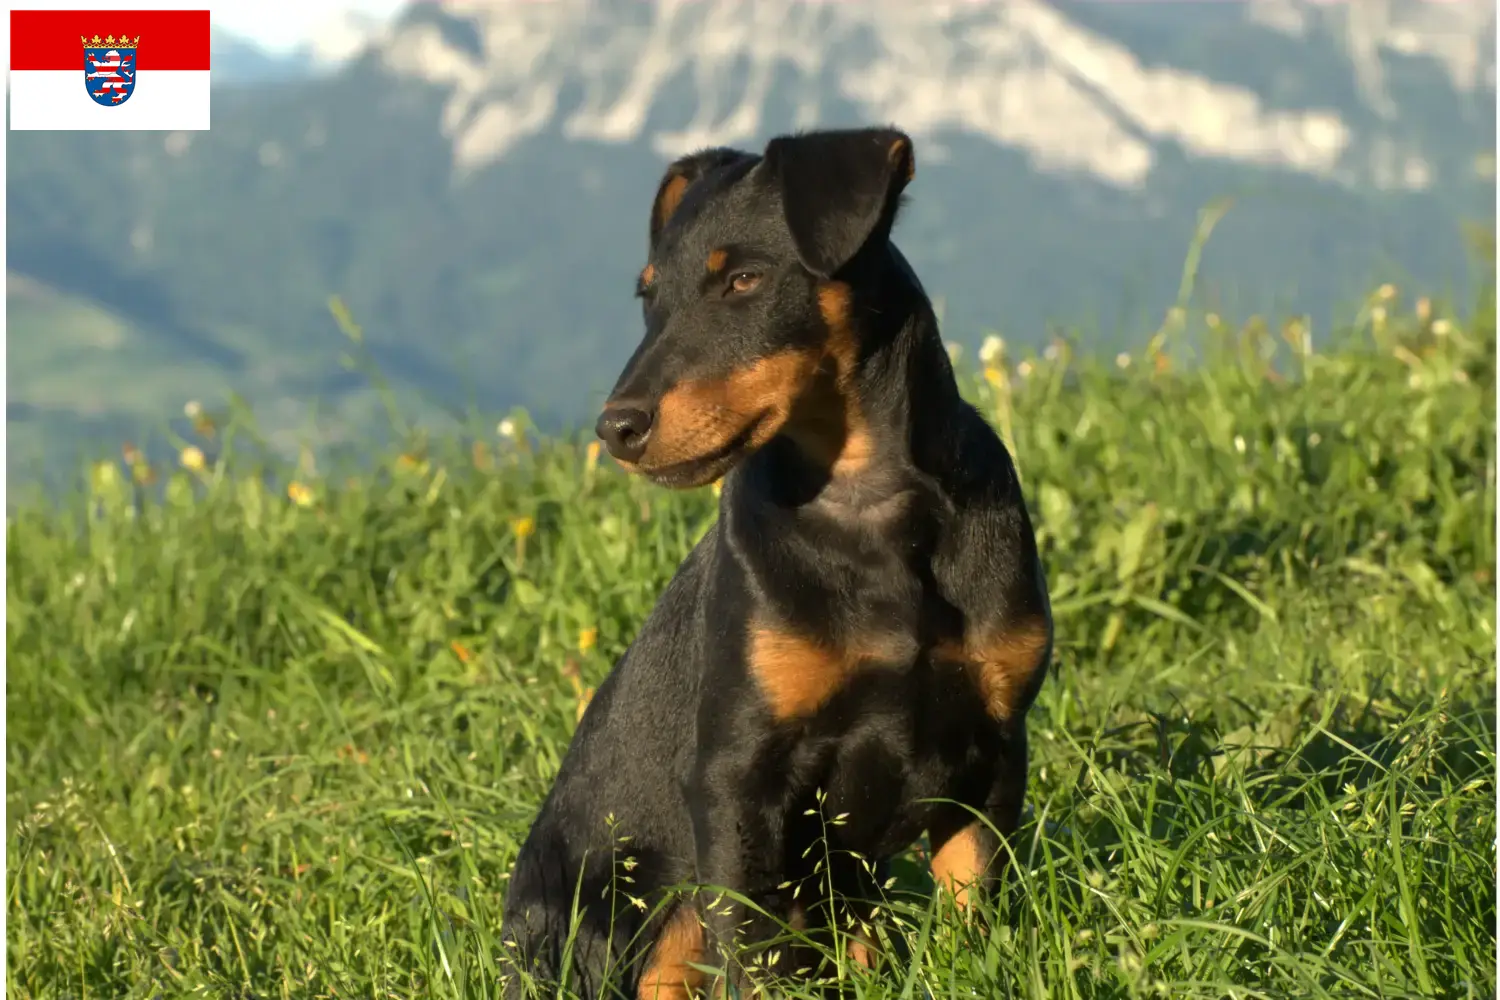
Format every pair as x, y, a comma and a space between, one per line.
839, 189
680, 176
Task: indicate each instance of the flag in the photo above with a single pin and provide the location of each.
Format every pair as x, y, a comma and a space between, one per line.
109, 69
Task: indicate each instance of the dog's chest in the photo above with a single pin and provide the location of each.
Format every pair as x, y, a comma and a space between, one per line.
896, 662
892, 740
897, 683
884, 640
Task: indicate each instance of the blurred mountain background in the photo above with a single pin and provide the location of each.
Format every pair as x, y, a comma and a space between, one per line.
472, 179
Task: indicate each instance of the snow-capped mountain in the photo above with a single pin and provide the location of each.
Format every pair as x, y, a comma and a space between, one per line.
1075, 86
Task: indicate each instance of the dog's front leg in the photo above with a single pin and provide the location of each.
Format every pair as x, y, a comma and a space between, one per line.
968, 858
741, 848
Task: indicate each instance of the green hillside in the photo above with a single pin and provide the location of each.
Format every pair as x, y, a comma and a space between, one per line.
277, 731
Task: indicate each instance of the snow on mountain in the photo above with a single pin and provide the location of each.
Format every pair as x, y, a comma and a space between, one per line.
322, 46
1457, 36
237, 61
1027, 74
341, 36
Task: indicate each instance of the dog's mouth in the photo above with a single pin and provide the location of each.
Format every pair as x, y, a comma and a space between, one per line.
706, 468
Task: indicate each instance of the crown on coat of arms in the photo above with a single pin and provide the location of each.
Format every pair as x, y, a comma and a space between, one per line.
110, 42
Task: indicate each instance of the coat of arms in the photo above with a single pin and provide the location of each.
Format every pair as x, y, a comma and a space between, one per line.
109, 68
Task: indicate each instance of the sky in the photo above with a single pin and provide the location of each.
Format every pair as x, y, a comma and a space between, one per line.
279, 27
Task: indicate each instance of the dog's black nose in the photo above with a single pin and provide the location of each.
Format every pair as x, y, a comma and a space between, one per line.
624, 430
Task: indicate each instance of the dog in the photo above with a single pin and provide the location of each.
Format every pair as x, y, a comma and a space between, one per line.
846, 659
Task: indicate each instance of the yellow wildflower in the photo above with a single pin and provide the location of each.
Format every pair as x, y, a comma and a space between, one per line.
105, 475
524, 527
192, 458
587, 637
299, 494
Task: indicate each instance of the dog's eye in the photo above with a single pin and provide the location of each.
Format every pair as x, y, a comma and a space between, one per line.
744, 281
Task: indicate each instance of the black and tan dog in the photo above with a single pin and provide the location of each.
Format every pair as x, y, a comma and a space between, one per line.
861, 632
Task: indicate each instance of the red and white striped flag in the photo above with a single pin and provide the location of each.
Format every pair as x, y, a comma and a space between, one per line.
109, 69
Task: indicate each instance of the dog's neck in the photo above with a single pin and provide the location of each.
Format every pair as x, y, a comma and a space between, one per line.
896, 413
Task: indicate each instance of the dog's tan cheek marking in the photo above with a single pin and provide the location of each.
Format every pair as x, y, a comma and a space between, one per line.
957, 865
670, 975
716, 261
1003, 665
701, 416
648, 275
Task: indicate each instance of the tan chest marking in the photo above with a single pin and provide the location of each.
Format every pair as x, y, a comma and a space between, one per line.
797, 675
1003, 663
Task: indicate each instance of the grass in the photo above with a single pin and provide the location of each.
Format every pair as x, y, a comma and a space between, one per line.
283, 740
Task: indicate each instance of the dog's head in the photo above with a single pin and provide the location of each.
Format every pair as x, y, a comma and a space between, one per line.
748, 301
